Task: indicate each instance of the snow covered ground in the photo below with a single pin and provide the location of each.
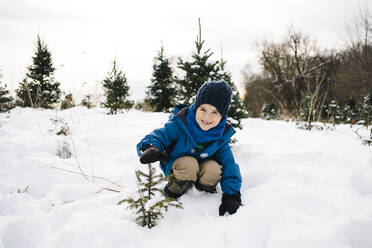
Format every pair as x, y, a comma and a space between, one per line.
300, 188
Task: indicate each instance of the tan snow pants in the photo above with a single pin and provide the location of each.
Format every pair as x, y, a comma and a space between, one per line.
187, 168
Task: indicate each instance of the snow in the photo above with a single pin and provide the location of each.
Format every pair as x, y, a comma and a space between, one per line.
300, 188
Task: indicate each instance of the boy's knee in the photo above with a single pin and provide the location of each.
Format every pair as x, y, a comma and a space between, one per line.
186, 168
210, 173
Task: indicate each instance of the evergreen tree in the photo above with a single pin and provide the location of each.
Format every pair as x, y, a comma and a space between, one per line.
116, 90
39, 88
68, 102
149, 210
334, 112
269, 112
161, 92
200, 70
330, 112
305, 110
197, 71
87, 101
324, 111
307, 113
5, 98
351, 112
237, 110
366, 110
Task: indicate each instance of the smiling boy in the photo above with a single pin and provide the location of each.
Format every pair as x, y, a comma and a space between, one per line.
193, 148
207, 116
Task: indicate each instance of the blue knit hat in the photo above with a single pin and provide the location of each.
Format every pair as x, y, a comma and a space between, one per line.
216, 93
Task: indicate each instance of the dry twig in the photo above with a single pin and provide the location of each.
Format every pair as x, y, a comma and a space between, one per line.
86, 176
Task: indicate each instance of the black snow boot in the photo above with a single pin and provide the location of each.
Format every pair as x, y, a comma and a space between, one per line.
209, 189
175, 188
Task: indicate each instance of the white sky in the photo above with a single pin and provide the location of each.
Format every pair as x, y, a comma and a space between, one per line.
84, 36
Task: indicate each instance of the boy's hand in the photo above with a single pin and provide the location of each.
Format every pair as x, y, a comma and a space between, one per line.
230, 203
152, 154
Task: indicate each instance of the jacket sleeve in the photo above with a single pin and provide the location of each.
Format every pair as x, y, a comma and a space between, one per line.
231, 179
161, 137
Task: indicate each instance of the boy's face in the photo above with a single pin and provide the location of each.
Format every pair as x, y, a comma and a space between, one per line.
207, 116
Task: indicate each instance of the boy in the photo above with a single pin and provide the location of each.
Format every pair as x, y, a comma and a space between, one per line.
193, 147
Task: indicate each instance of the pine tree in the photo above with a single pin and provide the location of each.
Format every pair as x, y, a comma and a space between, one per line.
334, 112
39, 88
116, 90
351, 111
87, 101
68, 102
237, 110
5, 98
197, 71
306, 113
161, 92
324, 111
366, 110
200, 70
149, 210
268, 112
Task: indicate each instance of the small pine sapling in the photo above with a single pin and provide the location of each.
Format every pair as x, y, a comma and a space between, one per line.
268, 112
68, 102
366, 111
5, 99
149, 208
334, 113
87, 101
63, 150
60, 126
351, 112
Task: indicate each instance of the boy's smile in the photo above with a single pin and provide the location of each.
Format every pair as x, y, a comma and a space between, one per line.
207, 116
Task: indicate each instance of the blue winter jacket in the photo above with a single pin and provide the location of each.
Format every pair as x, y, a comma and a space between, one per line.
175, 139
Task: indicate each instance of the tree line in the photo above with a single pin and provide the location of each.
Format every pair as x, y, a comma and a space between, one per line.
299, 80
39, 89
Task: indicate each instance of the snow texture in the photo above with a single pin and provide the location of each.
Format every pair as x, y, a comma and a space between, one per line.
300, 188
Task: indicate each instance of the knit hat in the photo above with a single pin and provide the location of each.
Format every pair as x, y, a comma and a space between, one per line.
216, 93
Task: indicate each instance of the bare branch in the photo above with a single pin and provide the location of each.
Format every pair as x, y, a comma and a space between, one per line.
77, 159
86, 176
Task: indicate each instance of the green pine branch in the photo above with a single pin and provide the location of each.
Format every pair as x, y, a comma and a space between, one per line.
149, 215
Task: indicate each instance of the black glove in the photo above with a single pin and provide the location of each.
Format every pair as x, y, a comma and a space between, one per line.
230, 203
152, 154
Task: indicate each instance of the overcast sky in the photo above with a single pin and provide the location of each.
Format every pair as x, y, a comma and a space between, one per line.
84, 36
